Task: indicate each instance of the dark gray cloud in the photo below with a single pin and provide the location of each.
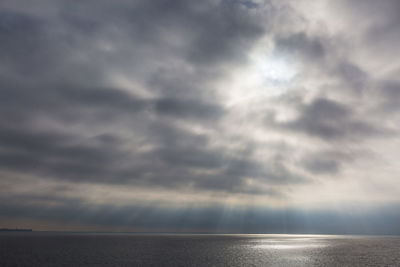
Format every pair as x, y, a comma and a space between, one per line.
388, 95
187, 108
301, 45
103, 159
379, 19
207, 35
330, 120
328, 161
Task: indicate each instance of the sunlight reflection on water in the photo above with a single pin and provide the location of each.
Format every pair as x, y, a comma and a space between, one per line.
289, 246
290, 243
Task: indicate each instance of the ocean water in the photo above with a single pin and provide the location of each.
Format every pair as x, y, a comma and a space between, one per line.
52, 249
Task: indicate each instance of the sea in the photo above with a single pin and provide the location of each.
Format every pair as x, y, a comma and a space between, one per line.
125, 249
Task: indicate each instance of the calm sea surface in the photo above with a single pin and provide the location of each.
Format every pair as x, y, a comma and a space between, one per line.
51, 249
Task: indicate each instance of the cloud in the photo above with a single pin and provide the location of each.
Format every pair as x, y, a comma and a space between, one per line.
138, 96
328, 161
301, 45
187, 108
52, 97
330, 120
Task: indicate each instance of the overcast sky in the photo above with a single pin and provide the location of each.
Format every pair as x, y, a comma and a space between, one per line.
215, 115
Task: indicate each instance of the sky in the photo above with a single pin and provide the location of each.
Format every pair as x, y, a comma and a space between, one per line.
200, 116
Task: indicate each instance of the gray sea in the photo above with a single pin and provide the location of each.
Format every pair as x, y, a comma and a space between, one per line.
72, 249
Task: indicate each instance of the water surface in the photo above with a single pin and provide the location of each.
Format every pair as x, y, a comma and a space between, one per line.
55, 249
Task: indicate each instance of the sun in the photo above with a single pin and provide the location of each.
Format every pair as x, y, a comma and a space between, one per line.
264, 75
273, 69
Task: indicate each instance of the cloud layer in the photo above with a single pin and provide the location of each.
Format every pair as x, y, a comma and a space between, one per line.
197, 104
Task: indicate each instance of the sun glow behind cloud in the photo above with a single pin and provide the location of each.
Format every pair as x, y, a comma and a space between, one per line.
274, 69
265, 75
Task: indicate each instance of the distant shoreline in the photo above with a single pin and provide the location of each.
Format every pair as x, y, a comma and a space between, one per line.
15, 230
